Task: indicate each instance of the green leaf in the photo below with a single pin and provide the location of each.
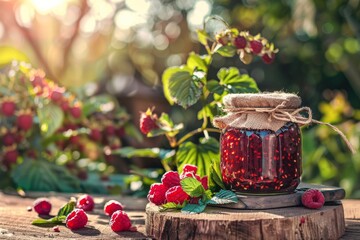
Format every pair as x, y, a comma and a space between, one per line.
40, 175
195, 61
202, 36
132, 131
167, 126
193, 208
214, 87
48, 222
201, 154
50, 119
100, 103
236, 82
192, 187
226, 51
207, 195
9, 54
131, 152
224, 197
67, 208
171, 205
210, 110
165, 81
184, 89
215, 177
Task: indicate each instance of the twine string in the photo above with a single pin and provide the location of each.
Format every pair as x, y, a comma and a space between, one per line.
289, 114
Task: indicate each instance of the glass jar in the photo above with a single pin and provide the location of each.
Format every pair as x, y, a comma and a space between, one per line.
261, 161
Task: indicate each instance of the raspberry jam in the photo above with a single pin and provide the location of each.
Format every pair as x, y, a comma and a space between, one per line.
261, 161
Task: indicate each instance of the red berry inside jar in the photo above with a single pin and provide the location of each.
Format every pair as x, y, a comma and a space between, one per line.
261, 161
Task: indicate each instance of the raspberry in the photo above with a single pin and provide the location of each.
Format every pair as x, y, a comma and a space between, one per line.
148, 122
10, 157
190, 168
312, 198
204, 182
156, 194
8, 139
25, 121
85, 202
171, 179
256, 46
42, 206
109, 130
64, 106
268, 58
95, 134
56, 229
240, 42
190, 174
112, 206
176, 195
120, 221
37, 80
56, 95
8, 108
76, 219
75, 112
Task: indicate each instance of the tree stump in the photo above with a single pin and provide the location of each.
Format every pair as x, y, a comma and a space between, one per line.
221, 223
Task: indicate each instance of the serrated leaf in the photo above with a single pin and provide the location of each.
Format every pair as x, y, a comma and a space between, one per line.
192, 187
202, 37
67, 208
235, 82
184, 89
214, 87
224, 197
193, 208
48, 222
201, 154
215, 177
100, 103
226, 51
50, 119
165, 81
195, 61
171, 205
166, 126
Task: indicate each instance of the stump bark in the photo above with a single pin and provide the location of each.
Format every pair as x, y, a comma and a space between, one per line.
221, 223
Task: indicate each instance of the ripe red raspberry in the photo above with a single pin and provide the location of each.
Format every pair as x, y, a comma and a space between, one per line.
64, 106
120, 221
76, 111
95, 134
25, 121
85, 202
38, 80
204, 182
190, 174
76, 219
176, 195
42, 206
240, 42
56, 95
190, 168
156, 194
148, 122
112, 206
8, 108
8, 139
74, 140
109, 130
256, 46
171, 179
10, 157
312, 198
268, 58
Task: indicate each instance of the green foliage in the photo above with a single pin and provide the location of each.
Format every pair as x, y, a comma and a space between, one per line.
224, 197
166, 126
192, 187
215, 177
50, 119
193, 208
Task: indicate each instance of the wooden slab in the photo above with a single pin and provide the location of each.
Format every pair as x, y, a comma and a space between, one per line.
221, 223
331, 194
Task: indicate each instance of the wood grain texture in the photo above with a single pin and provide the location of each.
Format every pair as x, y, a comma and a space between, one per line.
220, 223
285, 200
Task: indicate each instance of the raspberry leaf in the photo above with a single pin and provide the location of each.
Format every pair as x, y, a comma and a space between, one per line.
192, 187
171, 205
215, 178
196, 62
49, 222
50, 119
224, 197
193, 208
226, 51
202, 37
67, 208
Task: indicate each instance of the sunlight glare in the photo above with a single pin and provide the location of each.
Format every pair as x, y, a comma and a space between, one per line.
46, 6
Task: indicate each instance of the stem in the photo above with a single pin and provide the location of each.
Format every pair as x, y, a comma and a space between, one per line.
196, 131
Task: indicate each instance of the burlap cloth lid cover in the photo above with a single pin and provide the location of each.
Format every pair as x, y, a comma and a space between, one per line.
253, 110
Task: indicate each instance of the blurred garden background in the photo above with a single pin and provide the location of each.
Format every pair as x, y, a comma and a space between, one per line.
110, 55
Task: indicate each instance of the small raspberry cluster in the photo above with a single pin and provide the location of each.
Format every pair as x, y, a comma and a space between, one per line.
170, 190
119, 220
148, 121
248, 45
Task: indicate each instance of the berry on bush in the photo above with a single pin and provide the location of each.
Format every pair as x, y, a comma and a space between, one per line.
42, 206
8, 108
76, 219
56, 94
112, 206
256, 46
240, 42
95, 134
313, 198
268, 59
8, 139
76, 111
176, 195
120, 221
24, 121
156, 194
10, 157
190, 168
85, 202
148, 122
171, 179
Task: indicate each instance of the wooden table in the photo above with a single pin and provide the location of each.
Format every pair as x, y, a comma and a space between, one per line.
15, 220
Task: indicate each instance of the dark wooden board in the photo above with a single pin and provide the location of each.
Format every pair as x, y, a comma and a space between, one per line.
331, 194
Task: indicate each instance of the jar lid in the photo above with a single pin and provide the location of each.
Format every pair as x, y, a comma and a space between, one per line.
266, 99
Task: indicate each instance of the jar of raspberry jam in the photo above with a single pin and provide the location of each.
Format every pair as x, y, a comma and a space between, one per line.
260, 146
